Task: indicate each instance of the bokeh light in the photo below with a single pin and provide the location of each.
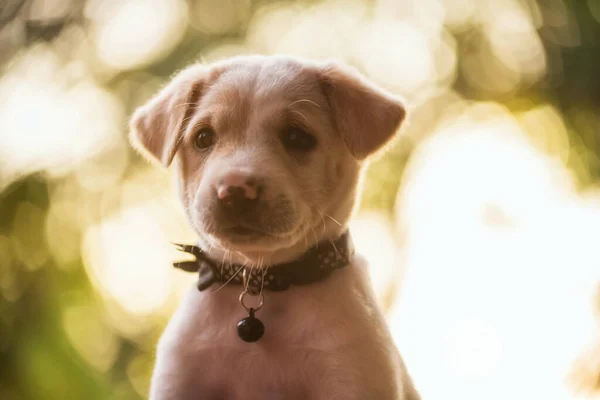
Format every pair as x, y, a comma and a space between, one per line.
498, 272
134, 33
481, 224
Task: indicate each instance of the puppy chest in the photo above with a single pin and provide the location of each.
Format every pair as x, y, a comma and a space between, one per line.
258, 373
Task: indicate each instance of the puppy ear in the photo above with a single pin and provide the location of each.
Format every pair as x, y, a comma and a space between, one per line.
366, 117
156, 128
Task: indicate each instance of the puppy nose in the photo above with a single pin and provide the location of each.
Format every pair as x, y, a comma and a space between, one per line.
237, 190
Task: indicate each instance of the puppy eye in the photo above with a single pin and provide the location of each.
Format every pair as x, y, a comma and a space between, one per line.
205, 138
298, 139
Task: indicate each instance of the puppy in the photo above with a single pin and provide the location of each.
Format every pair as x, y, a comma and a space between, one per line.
269, 153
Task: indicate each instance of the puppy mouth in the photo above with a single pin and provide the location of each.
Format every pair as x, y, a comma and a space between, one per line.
243, 231
243, 237
271, 225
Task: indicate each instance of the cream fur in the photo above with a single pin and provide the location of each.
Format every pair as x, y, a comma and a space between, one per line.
323, 341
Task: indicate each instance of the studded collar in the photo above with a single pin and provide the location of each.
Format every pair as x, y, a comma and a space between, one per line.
314, 265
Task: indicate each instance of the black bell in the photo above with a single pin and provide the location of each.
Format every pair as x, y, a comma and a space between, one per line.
250, 329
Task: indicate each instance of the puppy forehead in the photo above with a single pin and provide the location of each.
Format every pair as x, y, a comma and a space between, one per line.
245, 86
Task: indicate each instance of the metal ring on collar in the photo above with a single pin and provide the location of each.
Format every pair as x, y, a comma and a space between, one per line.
261, 300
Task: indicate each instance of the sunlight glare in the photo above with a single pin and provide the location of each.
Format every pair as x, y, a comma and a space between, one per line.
136, 32
300, 30
507, 290
408, 65
514, 39
374, 239
127, 257
58, 122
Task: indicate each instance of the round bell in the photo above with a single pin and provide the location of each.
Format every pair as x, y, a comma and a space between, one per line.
250, 329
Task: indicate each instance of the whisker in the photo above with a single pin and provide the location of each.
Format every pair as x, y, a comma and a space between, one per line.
222, 265
333, 219
323, 219
314, 233
230, 279
305, 101
247, 283
262, 281
230, 256
302, 115
183, 104
243, 256
185, 121
337, 253
223, 261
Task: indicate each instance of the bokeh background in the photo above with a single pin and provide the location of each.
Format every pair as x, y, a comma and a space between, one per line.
482, 224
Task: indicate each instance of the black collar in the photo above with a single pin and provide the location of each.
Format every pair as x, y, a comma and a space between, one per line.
313, 266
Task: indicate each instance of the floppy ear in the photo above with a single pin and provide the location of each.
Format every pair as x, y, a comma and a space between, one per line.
156, 128
365, 116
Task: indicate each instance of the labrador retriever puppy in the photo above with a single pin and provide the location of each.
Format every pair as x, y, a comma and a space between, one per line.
269, 152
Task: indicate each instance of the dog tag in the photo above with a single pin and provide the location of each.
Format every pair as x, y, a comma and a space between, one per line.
250, 329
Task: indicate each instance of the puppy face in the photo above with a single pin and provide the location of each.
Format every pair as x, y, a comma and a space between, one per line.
268, 149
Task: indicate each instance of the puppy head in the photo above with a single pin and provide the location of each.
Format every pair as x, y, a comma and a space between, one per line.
268, 149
